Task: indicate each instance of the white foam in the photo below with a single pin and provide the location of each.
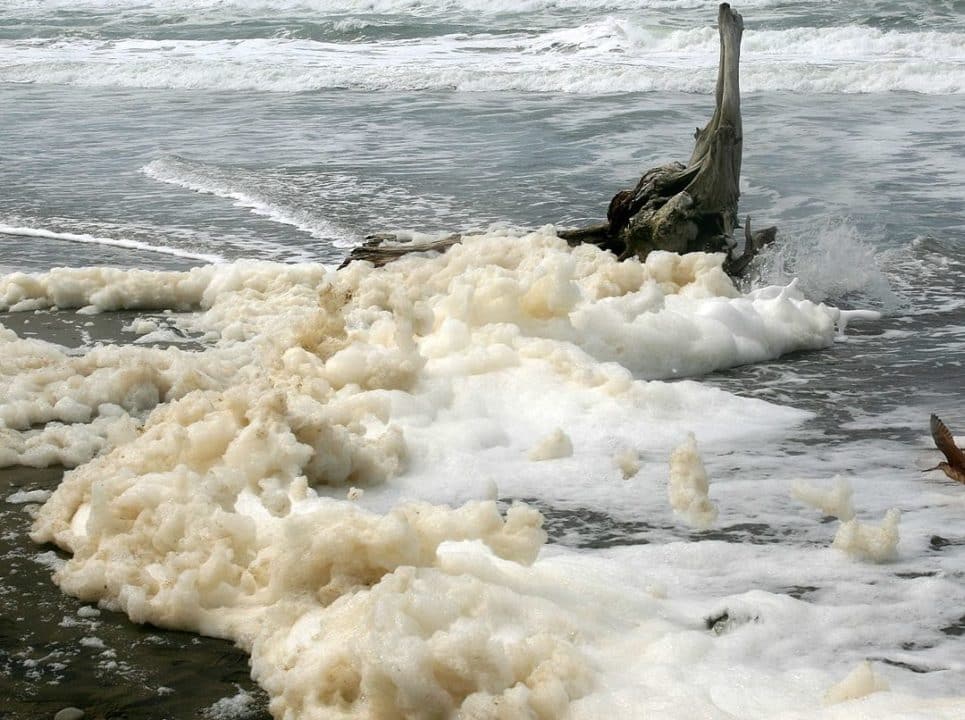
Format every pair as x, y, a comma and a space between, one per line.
604, 55
107, 241
246, 192
28, 496
236, 707
425, 382
339, 7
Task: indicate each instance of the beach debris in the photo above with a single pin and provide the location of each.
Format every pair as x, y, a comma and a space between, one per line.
868, 542
937, 542
693, 206
860, 682
725, 621
555, 445
688, 486
954, 464
677, 207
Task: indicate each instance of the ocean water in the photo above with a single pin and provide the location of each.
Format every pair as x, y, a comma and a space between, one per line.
297, 492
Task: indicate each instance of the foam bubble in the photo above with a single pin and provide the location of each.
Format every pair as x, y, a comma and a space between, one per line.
28, 496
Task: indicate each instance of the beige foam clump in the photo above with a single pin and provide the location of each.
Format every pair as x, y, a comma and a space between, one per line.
552, 294
104, 289
694, 274
602, 275
860, 682
67, 445
142, 326
868, 542
552, 447
688, 487
628, 462
196, 502
517, 659
835, 501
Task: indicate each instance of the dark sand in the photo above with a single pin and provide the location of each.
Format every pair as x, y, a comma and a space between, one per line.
51, 657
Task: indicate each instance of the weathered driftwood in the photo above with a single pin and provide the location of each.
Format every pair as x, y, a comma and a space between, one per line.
383, 248
677, 207
693, 207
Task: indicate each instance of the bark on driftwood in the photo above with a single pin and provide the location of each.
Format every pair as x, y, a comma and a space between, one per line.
677, 207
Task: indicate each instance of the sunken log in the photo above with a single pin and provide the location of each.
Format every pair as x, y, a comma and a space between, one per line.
677, 207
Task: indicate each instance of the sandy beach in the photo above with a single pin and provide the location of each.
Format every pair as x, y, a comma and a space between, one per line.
58, 652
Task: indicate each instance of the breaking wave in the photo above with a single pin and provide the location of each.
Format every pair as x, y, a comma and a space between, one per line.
603, 56
832, 263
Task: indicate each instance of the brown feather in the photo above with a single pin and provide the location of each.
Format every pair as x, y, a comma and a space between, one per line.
946, 443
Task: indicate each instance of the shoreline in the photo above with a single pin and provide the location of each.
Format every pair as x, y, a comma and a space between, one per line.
56, 651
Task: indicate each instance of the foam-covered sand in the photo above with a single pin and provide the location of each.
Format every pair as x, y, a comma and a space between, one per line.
210, 486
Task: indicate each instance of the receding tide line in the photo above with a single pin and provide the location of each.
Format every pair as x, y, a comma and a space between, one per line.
115, 242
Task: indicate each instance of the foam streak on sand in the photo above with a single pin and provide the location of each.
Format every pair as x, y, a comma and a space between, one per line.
223, 514
114, 242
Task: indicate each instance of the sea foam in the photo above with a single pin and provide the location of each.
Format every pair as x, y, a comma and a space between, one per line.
119, 242
602, 55
224, 512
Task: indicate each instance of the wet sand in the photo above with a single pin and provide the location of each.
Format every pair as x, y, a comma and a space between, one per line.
56, 651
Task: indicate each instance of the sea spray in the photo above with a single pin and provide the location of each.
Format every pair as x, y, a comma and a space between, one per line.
830, 262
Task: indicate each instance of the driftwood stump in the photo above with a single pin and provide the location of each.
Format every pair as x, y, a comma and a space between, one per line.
678, 207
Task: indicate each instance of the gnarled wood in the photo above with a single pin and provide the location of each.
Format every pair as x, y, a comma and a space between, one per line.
686, 208
677, 207
386, 247
754, 242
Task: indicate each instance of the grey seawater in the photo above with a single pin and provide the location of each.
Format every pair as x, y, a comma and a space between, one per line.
299, 176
